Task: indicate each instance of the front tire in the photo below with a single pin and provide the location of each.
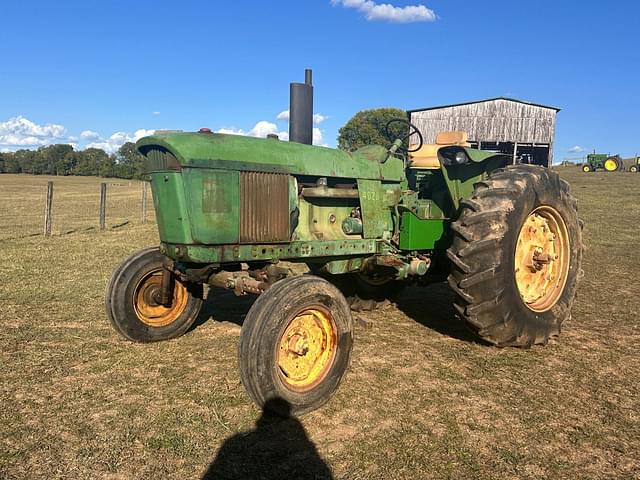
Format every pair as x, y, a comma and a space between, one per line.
516, 256
131, 306
295, 344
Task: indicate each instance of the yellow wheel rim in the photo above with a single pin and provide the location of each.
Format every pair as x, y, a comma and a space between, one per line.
147, 308
610, 165
542, 259
585, 169
307, 349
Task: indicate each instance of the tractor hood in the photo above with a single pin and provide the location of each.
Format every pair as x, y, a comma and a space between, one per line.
235, 152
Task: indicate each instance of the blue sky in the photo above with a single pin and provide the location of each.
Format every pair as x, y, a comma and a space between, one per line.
110, 69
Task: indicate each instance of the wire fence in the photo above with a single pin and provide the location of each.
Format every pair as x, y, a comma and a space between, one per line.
76, 204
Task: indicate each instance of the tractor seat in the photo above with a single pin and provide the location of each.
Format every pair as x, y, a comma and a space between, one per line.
427, 156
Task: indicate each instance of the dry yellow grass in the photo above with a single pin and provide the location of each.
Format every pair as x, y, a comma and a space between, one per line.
422, 399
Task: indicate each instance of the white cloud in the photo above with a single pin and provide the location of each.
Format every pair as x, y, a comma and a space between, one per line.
284, 115
263, 128
318, 118
260, 129
20, 131
155, 113
577, 149
231, 131
116, 140
317, 137
89, 135
386, 12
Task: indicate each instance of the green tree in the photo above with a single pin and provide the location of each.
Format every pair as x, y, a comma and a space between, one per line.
107, 166
129, 163
89, 161
10, 163
367, 128
67, 163
50, 159
26, 160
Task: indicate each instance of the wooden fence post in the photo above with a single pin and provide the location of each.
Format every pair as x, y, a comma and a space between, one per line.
48, 209
103, 204
144, 201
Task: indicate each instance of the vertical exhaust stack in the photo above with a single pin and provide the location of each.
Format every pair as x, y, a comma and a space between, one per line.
301, 110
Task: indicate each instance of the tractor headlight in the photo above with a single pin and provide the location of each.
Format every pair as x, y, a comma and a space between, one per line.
453, 155
461, 158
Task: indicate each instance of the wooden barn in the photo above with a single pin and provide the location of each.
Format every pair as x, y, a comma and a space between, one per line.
522, 129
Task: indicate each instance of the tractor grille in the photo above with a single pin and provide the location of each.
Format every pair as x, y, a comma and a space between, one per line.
159, 158
264, 207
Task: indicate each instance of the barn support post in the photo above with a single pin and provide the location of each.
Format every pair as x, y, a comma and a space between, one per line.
515, 153
550, 156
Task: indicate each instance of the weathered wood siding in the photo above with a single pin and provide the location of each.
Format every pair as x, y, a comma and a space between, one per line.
490, 121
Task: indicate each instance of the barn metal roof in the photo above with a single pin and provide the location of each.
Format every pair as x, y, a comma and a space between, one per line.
483, 101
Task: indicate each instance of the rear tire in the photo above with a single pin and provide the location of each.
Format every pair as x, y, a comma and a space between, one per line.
486, 251
295, 344
130, 304
612, 164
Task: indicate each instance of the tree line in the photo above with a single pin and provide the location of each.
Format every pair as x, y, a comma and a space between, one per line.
62, 159
365, 128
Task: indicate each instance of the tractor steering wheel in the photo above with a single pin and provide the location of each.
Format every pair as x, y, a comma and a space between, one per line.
388, 131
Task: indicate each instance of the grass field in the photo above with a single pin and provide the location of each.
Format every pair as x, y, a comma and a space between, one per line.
76, 204
422, 398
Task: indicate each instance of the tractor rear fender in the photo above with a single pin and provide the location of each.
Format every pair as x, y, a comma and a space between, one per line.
462, 167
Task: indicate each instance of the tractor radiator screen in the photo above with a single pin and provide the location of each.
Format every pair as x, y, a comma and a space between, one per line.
264, 207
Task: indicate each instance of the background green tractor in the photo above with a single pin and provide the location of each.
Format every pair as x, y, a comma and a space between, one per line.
603, 161
632, 164
231, 209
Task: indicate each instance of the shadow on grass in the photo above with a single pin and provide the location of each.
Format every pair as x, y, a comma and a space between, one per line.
432, 306
224, 306
277, 448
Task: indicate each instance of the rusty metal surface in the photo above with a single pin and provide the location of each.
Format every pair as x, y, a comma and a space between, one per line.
264, 207
290, 251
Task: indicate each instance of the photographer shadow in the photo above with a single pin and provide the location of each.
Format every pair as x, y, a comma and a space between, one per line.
277, 448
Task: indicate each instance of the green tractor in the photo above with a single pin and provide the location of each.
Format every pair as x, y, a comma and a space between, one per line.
633, 164
233, 212
603, 161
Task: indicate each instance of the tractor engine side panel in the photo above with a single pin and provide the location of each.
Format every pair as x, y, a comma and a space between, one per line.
170, 204
213, 200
